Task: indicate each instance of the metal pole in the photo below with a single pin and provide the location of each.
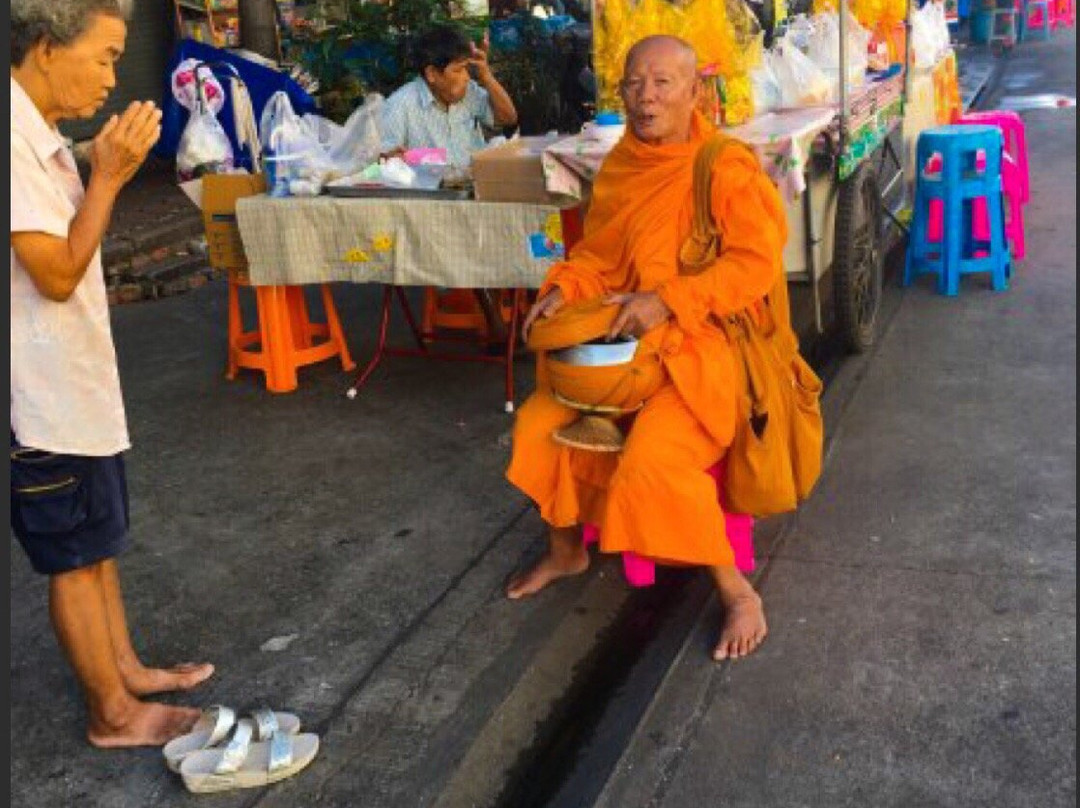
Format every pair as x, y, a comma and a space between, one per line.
842, 10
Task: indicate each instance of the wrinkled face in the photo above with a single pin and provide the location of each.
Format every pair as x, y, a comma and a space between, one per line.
449, 84
81, 74
660, 90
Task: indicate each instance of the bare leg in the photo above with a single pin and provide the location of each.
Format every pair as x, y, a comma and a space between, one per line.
80, 619
140, 680
566, 555
744, 618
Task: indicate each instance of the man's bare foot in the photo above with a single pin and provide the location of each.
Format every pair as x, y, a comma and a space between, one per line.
143, 681
140, 724
566, 555
744, 626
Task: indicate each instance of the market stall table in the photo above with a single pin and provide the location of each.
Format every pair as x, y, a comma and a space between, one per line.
457, 244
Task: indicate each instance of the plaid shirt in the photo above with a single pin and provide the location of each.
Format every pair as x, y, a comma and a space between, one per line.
413, 119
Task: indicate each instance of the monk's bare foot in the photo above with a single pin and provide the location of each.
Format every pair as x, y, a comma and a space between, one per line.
566, 555
143, 681
138, 723
744, 627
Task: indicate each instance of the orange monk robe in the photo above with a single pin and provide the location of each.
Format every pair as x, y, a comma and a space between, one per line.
655, 498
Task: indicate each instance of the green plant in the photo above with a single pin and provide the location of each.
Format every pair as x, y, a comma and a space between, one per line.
370, 46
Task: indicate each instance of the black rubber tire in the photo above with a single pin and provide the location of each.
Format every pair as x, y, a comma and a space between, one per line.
859, 259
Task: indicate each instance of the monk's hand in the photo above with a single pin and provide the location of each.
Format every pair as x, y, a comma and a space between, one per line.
544, 307
640, 312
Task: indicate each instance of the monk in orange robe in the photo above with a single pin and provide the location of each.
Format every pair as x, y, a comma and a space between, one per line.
655, 498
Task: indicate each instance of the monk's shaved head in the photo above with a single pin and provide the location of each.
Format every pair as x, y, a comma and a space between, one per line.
660, 89
663, 45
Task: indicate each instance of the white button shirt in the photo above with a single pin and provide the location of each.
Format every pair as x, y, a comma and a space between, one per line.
413, 119
65, 386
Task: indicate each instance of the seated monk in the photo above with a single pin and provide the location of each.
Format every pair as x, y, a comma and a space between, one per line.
655, 498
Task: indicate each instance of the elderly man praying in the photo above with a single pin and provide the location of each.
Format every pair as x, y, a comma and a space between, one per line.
656, 498
69, 499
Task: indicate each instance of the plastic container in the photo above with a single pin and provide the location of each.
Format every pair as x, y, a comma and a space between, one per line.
280, 171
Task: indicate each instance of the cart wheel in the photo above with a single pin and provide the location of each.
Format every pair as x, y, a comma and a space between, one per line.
858, 260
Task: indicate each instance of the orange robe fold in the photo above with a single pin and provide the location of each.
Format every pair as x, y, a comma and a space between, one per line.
655, 498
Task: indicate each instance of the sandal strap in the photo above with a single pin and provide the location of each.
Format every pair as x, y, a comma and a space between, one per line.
219, 719
266, 723
236, 751
281, 751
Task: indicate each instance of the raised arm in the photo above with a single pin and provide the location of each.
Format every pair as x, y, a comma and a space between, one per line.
502, 106
57, 262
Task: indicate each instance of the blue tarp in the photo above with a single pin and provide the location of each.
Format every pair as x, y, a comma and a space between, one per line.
262, 82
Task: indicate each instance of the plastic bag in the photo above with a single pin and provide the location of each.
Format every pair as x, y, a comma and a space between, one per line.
798, 32
290, 150
823, 49
303, 154
765, 88
192, 76
929, 35
802, 83
347, 148
204, 147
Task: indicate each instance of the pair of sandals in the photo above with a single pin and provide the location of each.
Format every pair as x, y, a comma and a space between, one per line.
262, 749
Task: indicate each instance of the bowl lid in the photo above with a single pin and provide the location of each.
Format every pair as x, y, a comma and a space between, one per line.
573, 324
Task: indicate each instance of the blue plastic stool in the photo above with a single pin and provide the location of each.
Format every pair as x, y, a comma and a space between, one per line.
957, 185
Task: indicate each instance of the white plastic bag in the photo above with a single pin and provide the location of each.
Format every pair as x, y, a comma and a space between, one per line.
929, 35
765, 88
798, 32
204, 147
303, 154
823, 49
802, 84
350, 147
290, 151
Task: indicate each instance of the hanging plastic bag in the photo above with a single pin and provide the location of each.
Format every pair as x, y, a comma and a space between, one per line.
765, 88
802, 84
925, 38
823, 49
204, 147
798, 32
940, 26
192, 77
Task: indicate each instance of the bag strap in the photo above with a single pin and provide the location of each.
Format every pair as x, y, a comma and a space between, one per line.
776, 312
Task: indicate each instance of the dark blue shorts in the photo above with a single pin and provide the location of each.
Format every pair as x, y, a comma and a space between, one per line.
68, 511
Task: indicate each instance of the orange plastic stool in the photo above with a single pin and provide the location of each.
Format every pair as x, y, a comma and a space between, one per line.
285, 335
453, 309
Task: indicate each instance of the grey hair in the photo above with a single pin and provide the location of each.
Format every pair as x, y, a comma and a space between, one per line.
58, 22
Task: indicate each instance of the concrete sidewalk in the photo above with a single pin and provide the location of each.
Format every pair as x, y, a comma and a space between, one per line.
923, 633
367, 542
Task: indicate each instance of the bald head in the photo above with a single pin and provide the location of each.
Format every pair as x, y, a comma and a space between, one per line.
660, 89
661, 47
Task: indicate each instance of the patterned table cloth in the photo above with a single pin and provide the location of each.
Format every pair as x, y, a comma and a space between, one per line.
780, 139
404, 242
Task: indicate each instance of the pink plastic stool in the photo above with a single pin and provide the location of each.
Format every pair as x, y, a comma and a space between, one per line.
1062, 13
1012, 133
740, 531
1014, 180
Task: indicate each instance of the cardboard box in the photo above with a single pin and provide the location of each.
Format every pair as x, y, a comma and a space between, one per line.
219, 194
511, 172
